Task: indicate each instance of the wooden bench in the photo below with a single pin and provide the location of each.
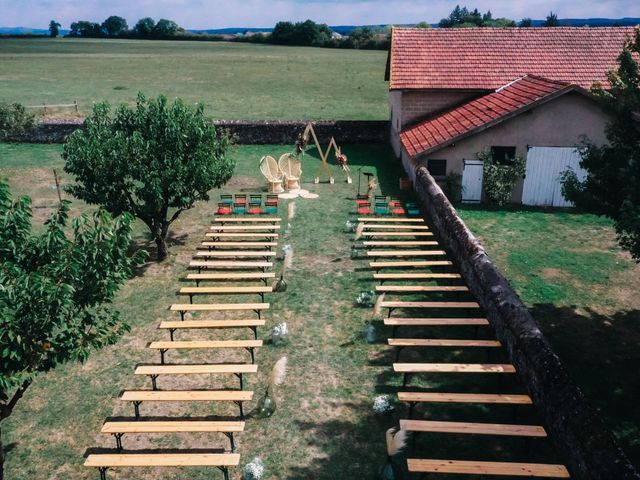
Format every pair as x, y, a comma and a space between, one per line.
379, 226
420, 289
241, 235
413, 398
200, 264
217, 307
237, 369
244, 228
466, 467
247, 219
104, 461
415, 276
397, 234
405, 253
172, 326
139, 396
394, 305
119, 428
410, 368
191, 291
391, 220
163, 347
230, 277
419, 426
435, 322
413, 264
399, 243
401, 343
235, 254
265, 245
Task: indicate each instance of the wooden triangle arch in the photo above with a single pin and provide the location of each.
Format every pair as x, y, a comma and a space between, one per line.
324, 155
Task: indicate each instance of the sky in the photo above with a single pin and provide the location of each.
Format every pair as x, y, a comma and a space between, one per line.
201, 14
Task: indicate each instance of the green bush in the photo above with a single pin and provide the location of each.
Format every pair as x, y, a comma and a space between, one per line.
15, 120
452, 187
500, 179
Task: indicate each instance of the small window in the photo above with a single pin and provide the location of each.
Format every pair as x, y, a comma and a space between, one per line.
437, 168
503, 155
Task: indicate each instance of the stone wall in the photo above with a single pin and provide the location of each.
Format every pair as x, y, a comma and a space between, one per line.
578, 431
249, 132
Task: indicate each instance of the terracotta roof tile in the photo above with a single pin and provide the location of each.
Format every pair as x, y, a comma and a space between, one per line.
486, 58
446, 127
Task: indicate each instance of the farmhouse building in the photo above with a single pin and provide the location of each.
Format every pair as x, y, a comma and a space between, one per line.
513, 91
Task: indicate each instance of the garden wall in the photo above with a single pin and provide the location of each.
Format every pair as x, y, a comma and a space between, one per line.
249, 132
590, 450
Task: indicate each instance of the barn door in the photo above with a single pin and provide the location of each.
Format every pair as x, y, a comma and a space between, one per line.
472, 180
545, 165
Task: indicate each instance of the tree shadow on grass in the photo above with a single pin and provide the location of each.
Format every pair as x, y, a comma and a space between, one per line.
602, 355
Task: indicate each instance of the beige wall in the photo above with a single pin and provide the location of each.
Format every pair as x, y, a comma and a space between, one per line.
559, 123
395, 107
418, 105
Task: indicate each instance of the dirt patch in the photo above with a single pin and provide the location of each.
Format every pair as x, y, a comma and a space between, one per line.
552, 273
243, 181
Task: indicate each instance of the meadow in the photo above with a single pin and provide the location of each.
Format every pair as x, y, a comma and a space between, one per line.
566, 266
234, 80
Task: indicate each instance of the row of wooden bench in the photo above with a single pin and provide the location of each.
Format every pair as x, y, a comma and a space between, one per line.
220, 460
413, 398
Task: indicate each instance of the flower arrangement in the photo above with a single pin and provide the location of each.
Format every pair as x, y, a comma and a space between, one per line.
253, 470
366, 299
382, 404
350, 227
279, 333
267, 404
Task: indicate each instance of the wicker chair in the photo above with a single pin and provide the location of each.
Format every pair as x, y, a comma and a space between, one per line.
291, 168
271, 171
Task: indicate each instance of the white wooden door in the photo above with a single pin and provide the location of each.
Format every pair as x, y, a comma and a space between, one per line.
545, 165
472, 180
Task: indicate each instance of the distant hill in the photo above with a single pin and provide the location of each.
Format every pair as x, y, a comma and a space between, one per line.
28, 31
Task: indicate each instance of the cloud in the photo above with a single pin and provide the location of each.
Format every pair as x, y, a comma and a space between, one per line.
264, 13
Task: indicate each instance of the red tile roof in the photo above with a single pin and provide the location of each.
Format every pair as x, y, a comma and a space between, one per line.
481, 113
486, 58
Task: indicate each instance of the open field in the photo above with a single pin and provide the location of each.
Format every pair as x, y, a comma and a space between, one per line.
235, 81
580, 286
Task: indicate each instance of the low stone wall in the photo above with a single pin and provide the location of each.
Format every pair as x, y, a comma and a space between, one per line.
590, 450
248, 132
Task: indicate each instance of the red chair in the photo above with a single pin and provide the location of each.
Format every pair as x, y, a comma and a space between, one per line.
398, 211
255, 208
362, 198
395, 202
364, 208
224, 209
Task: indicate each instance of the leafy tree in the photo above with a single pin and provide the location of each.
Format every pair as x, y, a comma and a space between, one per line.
165, 28
145, 27
362, 36
423, 25
613, 170
54, 29
56, 291
148, 160
525, 22
283, 33
551, 21
85, 29
115, 26
464, 18
500, 178
15, 120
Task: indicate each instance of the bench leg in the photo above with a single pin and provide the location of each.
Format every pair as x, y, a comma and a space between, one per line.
261, 297
255, 332
190, 298
405, 380
171, 332
197, 283
229, 435
182, 312
253, 356
154, 383
411, 407
225, 472
118, 437
398, 354
136, 409
258, 313
390, 312
239, 375
162, 352
241, 410
103, 473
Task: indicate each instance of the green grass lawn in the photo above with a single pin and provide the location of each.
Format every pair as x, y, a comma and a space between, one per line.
325, 427
582, 289
234, 80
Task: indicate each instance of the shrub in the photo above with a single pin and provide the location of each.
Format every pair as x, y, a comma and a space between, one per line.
452, 187
15, 120
500, 179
